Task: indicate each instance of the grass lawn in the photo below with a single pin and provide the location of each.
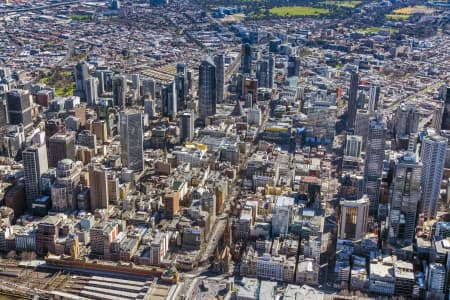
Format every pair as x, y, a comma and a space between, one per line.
413, 9
396, 17
377, 29
298, 11
345, 3
78, 17
62, 81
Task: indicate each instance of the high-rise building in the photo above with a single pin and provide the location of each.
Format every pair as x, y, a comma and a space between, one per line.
35, 164
187, 127
438, 117
98, 179
353, 145
219, 61
149, 88
3, 113
61, 146
354, 218
436, 281
91, 91
104, 81
80, 72
271, 70
376, 143
407, 121
352, 98
433, 155
246, 59
207, 89
66, 187
171, 204
136, 85
362, 122
18, 104
374, 98
131, 140
169, 101
405, 200
262, 73
181, 91
293, 69
446, 116
119, 90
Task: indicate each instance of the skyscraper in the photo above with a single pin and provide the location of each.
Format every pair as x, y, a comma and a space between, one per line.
407, 121
262, 73
66, 187
433, 154
362, 126
293, 69
352, 97
131, 140
60, 146
438, 117
35, 164
149, 88
187, 127
207, 89
98, 179
376, 143
405, 199
353, 145
169, 101
374, 98
119, 89
91, 91
219, 61
181, 91
18, 104
246, 59
271, 71
80, 72
354, 218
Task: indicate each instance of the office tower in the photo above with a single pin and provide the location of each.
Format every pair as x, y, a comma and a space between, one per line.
207, 89
271, 71
354, 218
246, 59
438, 117
181, 68
376, 143
262, 73
3, 112
150, 108
446, 116
374, 98
34, 164
171, 202
131, 140
433, 155
293, 69
91, 91
60, 146
66, 187
181, 91
104, 81
407, 121
353, 145
352, 97
119, 89
436, 281
80, 72
18, 106
282, 215
405, 199
362, 126
219, 61
149, 88
169, 101
187, 127
98, 180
